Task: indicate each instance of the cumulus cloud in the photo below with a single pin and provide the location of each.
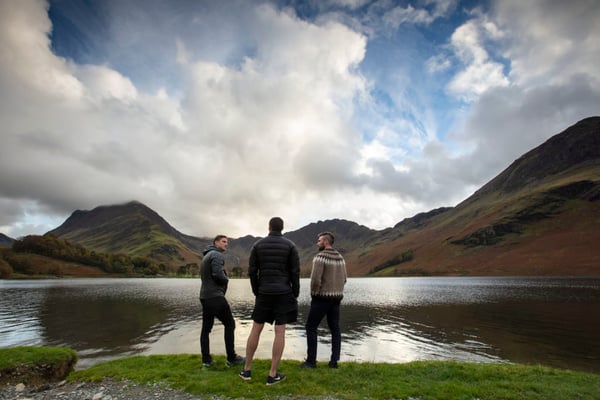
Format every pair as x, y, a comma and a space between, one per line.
240, 141
221, 115
550, 42
433, 9
481, 72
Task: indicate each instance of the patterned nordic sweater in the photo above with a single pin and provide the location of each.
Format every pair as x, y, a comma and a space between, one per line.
328, 276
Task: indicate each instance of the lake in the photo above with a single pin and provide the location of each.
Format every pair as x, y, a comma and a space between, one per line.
553, 321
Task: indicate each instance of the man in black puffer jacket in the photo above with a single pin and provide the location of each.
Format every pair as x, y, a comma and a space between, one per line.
274, 270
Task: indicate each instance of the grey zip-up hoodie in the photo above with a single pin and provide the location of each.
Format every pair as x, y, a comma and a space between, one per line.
213, 274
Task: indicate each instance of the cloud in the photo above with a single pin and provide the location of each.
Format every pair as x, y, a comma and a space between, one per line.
437, 63
550, 41
231, 150
219, 115
553, 52
399, 15
508, 122
480, 72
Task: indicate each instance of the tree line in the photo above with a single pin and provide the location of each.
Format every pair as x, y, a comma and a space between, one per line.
53, 247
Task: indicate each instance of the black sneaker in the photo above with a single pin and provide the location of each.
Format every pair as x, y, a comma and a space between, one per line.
307, 364
208, 364
333, 364
238, 360
271, 380
245, 375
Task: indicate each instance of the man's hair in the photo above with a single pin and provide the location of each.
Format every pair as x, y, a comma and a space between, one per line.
328, 236
219, 237
276, 224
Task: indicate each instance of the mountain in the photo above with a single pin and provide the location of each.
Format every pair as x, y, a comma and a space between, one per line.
133, 229
540, 216
5, 240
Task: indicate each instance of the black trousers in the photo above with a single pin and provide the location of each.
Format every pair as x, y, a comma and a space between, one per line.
216, 307
318, 310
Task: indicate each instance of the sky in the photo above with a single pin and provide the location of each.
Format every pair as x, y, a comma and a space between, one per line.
221, 114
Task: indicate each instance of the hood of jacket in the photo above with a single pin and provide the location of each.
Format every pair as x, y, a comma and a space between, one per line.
210, 248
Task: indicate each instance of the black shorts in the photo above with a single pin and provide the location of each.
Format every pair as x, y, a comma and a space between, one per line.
281, 308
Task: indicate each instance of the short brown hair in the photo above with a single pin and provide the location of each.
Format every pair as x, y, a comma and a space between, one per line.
219, 237
328, 236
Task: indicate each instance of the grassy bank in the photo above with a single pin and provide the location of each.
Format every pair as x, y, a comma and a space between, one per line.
423, 380
416, 380
35, 365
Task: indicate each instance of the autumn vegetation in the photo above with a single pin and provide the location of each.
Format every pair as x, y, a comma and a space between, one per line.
48, 255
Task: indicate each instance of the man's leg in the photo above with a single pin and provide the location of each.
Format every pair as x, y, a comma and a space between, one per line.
315, 315
226, 317
252, 344
278, 346
208, 320
333, 321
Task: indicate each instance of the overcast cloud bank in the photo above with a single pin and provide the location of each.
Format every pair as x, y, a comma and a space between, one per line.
219, 115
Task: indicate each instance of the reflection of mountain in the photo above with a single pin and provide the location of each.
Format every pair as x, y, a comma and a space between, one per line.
107, 324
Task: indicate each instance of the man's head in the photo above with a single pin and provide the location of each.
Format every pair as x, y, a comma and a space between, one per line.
325, 240
275, 224
221, 242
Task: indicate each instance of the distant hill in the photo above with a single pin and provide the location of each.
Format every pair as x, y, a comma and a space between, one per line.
133, 229
540, 216
5, 240
349, 235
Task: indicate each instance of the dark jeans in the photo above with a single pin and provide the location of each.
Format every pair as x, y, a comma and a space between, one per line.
318, 310
219, 308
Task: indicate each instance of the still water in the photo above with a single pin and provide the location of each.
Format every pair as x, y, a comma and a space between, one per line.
548, 321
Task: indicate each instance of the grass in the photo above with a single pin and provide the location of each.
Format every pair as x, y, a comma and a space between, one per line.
416, 380
420, 380
35, 365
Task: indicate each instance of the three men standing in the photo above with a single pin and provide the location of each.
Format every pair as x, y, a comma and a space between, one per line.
327, 280
274, 271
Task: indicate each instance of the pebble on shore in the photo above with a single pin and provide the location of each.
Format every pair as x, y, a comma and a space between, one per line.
105, 390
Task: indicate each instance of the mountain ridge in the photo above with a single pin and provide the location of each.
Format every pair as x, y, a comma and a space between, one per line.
5, 240
576, 146
539, 216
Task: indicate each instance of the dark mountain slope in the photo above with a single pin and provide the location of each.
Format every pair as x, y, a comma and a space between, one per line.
575, 147
5, 240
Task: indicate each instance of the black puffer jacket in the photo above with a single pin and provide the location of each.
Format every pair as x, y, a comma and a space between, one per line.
274, 266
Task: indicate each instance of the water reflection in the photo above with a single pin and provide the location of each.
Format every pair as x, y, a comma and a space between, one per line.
550, 321
98, 323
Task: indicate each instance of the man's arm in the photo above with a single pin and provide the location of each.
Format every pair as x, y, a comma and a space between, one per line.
316, 275
253, 270
295, 271
217, 269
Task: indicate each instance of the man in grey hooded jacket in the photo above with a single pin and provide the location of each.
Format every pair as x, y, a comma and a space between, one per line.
212, 297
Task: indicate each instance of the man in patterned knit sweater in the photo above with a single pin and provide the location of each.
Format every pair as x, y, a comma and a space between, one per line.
327, 281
